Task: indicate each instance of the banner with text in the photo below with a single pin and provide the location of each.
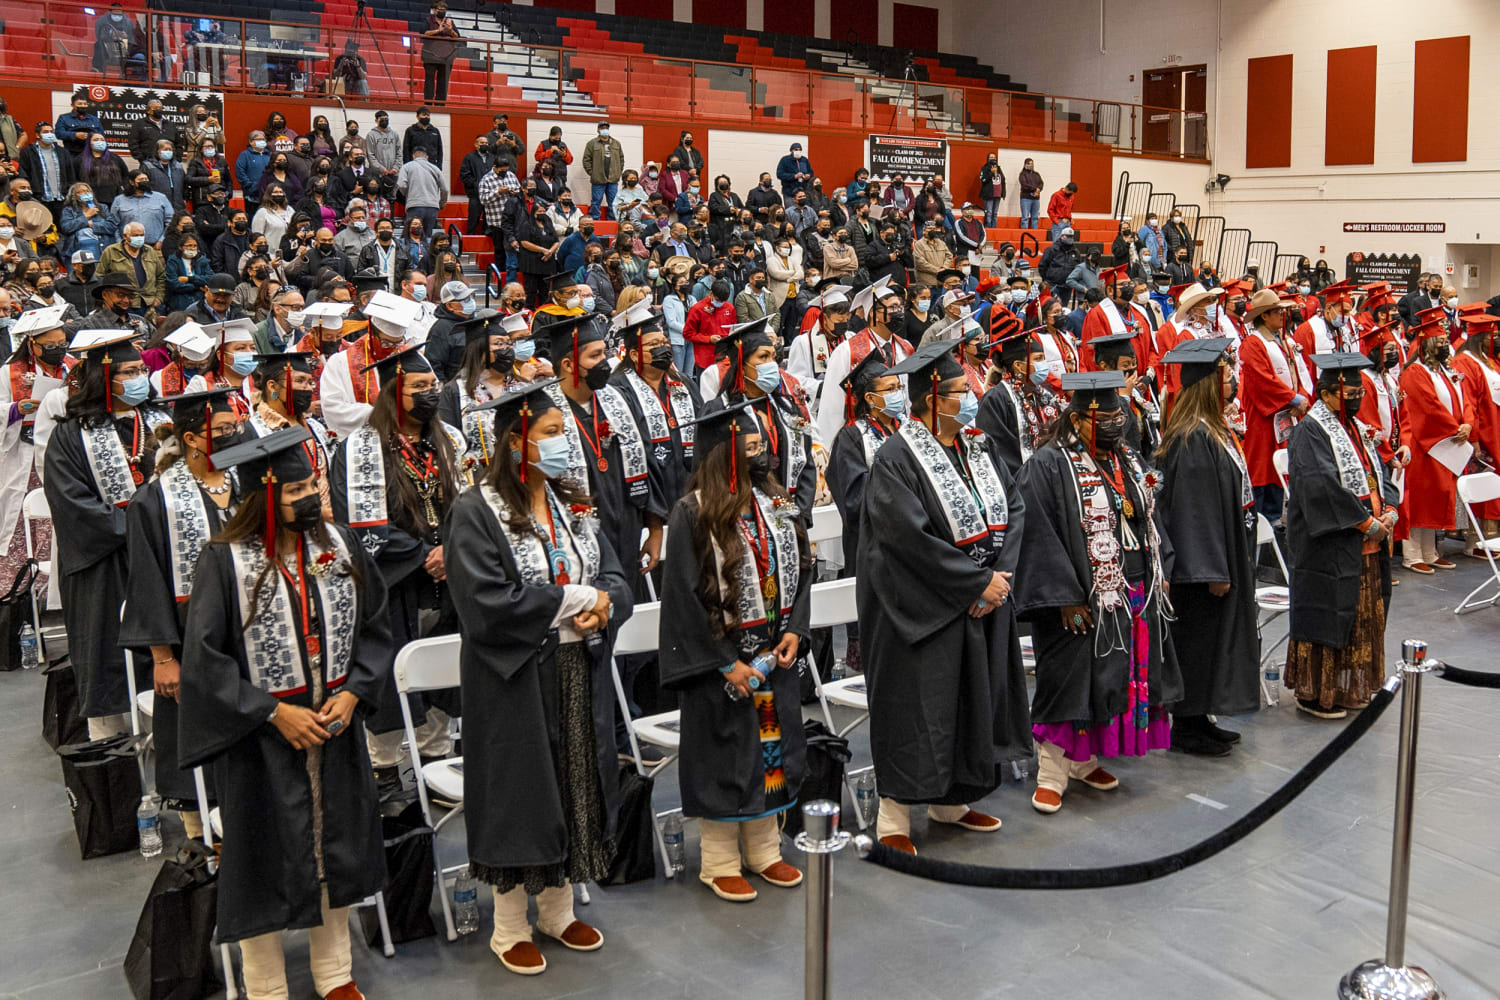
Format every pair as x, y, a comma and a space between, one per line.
120, 107
908, 155
1367, 268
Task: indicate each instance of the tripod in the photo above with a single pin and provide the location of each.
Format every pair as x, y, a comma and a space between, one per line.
361, 14
909, 75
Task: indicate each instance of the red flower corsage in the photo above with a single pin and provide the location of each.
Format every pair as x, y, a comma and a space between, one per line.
323, 563
581, 510
604, 430
1152, 479
780, 503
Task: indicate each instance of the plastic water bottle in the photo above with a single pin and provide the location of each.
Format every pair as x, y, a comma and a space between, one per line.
466, 903
839, 672
864, 796
1273, 683
671, 832
29, 654
148, 825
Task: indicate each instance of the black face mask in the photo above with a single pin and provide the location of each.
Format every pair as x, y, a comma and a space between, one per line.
307, 512
328, 348
503, 359
120, 310
234, 437
760, 466
1352, 403
661, 357
1107, 435
894, 318
840, 327
597, 377
54, 354
1389, 361
302, 400
240, 226
424, 405
1441, 354
1234, 389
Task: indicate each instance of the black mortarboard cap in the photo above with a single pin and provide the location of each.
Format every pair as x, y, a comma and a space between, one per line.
408, 361
1091, 390
508, 405
479, 326
370, 280
860, 378
1113, 347
935, 357
1201, 358
570, 331
272, 365
279, 452
741, 341
1341, 361
559, 280
721, 423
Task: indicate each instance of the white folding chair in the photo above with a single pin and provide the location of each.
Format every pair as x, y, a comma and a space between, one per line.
34, 508
1481, 487
431, 665
1272, 601
641, 634
1282, 462
833, 604
826, 524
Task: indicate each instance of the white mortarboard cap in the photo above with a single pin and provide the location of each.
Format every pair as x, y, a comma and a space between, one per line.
84, 339
865, 298
833, 296
234, 331
640, 312
326, 313
192, 342
392, 314
515, 323
36, 321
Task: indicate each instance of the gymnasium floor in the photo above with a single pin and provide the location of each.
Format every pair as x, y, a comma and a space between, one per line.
1281, 915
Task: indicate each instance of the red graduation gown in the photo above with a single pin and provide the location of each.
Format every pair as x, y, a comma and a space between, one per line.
1263, 395
1431, 489
1479, 394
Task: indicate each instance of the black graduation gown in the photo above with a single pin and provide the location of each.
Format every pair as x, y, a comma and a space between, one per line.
1324, 543
513, 807
675, 468
947, 692
268, 877
847, 476
157, 618
997, 418
1073, 683
1217, 645
622, 506
721, 774
92, 564
780, 444
409, 587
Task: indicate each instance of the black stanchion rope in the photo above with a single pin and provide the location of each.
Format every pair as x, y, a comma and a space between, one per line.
984, 877
1471, 678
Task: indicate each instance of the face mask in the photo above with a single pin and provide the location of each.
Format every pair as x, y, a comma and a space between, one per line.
893, 404
651, 174
661, 357
1389, 361
470, 306
604, 133
1304, 289
711, 304
307, 512
135, 390
1040, 370
1107, 434
135, 241
1213, 314
597, 377
1018, 295
552, 456
767, 376
1238, 308
48, 138
302, 400
894, 318
99, 145
1338, 320
54, 354
120, 310
653, 273
165, 155
189, 254
759, 466
1163, 289
1451, 302
968, 409
243, 363
587, 303
525, 350
1441, 354
424, 405
117, 18
1233, 390
6, 232
419, 292
1351, 404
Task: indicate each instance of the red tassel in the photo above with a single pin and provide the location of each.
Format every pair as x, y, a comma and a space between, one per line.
849, 404
932, 401
108, 379
400, 403
270, 480
208, 431
525, 422
290, 409
734, 464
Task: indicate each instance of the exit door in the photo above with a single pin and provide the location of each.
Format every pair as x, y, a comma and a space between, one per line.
1175, 99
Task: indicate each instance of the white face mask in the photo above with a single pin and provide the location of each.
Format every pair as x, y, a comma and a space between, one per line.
574, 301
1451, 302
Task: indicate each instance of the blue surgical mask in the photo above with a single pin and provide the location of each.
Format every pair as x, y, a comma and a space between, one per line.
1018, 295
552, 456
361, 225
258, 145
894, 404
1164, 289
243, 363
136, 390
137, 241
712, 304
419, 292
87, 197
968, 409
165, 154
1213, 313
99, 145
525, 350
604, 133
587, 303
1304, 289
470, 307
768, 376
47, 138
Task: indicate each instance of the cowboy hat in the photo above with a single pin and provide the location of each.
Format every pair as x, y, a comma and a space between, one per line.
1264, 301
115, 279
32, 220
1195, 294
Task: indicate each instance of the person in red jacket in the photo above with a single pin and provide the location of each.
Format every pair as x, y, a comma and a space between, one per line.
1380, 411
1117, 314
1477, 362
1060, 207
1191, 321
1440, 418
1274, 392
707, 321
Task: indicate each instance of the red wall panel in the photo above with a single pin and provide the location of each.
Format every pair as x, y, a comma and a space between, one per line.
856, 16
914, 27
723, 13
659, 9
792, 17
1440, 101
1268, 112
1349, 129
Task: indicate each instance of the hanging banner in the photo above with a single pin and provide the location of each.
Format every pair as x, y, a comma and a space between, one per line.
120, 107
913, 157
1367, 268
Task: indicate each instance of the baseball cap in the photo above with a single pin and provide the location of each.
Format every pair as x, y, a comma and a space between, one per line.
455, 291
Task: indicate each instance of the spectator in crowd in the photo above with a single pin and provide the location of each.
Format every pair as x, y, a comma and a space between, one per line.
139, 203
308, 268
538, 247
572, 254
1085, 274
497, 190
629, 198
188, 272
142, 266
800, 214
687, 154
674, 181
119, 45
1177, 235
1058, 261
553, 150
383, 147
280, 173
84, 224
351, 141
549, 186
447, 336
252, 162
274, 216
1152, 242
202, 125
1031, 193
414, 236
351, 180
228, 248
783, 270
1060, 208
424, 135
651, 179
969, 233
49, 169
764, 200
384, 254
991, 188
708, 321
217, 304
505, 145
439, 46
422, 183
150, 129
351, 70
471, 170
839, 259
167, 175
356, 233
757, 301
604, 162
688, 203
931, 255
77, 125
794, 171
1180, 268
275, 332
206, 169
102, 170
817, 200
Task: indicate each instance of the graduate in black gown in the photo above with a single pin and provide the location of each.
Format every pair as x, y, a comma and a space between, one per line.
1018, 409
539, 593
1115, 352
1209, 512
608, 460
97, 458
1093, 585
286, 652
736, 598
393, 481
755, 377
167, 525
489, 356
942, 660
876, 404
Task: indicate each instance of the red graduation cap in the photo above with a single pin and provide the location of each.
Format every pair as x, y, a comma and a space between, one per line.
1431, 326
1342, 291
1176, 291
1238, 287
1113, 275
1382, 333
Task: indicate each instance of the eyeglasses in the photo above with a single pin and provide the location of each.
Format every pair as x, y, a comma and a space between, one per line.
134, 371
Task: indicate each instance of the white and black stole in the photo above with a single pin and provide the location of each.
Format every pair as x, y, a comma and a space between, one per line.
108, 463
529, 552
188, 525
621, 424
364, 484
1352, 472
977, 510
750, 599
274, 643
658, 426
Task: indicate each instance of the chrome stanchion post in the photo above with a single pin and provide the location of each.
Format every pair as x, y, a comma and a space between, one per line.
1391, 978
820, 840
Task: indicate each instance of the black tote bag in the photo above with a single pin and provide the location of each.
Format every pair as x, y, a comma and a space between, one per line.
104, 791
826, 756
171, 955
409, 879
61, 723
635, 836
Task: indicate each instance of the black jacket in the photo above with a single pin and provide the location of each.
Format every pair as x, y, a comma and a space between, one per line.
690, 158
145, 134
347, 184
991, 181
211, 222
418, 137
369, 258
1058, 262
471, 169
31, 169
761, 201
305, 271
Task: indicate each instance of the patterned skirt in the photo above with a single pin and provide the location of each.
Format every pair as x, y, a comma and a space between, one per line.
1348, 677
589, 852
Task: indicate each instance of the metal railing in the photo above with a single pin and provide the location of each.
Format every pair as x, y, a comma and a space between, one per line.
55, 40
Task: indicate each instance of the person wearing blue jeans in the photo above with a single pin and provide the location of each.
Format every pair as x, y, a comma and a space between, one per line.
604, 193
1031, 194
1031, 210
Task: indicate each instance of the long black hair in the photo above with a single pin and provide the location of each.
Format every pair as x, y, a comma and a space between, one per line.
505, 478
408, 514
249, 522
